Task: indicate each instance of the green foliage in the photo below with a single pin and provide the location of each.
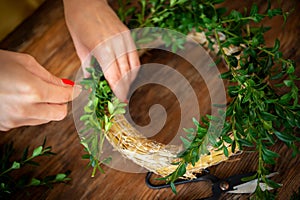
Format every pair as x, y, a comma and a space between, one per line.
9, 185
257, 115
98, 116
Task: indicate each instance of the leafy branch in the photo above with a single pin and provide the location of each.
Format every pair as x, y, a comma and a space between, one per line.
257, 116
9, 185
98, 116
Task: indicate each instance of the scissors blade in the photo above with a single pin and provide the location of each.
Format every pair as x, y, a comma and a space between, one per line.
250, 186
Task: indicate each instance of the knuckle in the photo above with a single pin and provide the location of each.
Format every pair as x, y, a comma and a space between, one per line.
33, 94
28, 59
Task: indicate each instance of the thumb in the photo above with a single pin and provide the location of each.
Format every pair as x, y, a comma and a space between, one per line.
59, 94
38, 70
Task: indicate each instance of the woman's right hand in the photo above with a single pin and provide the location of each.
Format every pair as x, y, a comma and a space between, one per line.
29, 94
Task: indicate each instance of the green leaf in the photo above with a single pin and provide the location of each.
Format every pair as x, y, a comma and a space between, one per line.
86, 156
189, 130
233, 146
267, 125
119, 111
267, 116
274, 12
84, 117
226, 75
227, 139
271, 183
225, 151
288, 83
107, 160
285, 137
269, 153
37, 151
257, 18
181, 170
34, 182
276, 46
16, 165
279, 111
186, 143
236, 15
249, 178
277, 55
246, 143
60, 177
285, 98
110, 107
291, 69
254, 10
173, 187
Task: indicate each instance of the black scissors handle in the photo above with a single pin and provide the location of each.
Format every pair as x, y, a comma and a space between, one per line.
205, 176
219, 186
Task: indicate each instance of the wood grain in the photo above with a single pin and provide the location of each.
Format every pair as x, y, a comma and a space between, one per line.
45, 36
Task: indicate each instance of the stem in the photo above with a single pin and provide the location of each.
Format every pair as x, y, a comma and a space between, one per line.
23, 162
6, 171
260, 162
233, 72
95, 168
233, 20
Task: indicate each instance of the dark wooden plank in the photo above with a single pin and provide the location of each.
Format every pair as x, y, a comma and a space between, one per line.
44, 35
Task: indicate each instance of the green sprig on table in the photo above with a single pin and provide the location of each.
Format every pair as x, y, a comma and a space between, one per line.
10, 185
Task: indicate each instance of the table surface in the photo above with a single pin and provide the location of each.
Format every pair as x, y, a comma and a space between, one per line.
44, 35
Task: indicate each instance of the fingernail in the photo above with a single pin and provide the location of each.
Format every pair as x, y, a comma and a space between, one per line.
67, 81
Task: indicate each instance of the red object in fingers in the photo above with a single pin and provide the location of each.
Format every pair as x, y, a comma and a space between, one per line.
67, 81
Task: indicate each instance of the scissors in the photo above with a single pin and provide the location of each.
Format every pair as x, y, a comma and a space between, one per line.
233, 184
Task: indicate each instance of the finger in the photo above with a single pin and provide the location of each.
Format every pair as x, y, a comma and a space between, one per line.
123, 65
21, 122
116, 81
134, 63
38, 70
106, 57
132, 55
104, 54
51, 93
47, 112
30, 122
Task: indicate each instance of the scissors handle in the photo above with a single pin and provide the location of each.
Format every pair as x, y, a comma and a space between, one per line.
219, 186
204, 177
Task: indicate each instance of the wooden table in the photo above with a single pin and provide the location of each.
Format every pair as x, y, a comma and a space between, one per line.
44, 35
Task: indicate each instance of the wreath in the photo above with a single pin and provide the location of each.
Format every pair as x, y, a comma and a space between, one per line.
258, 115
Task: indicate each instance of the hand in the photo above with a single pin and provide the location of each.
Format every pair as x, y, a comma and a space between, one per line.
29, 94
95, 28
